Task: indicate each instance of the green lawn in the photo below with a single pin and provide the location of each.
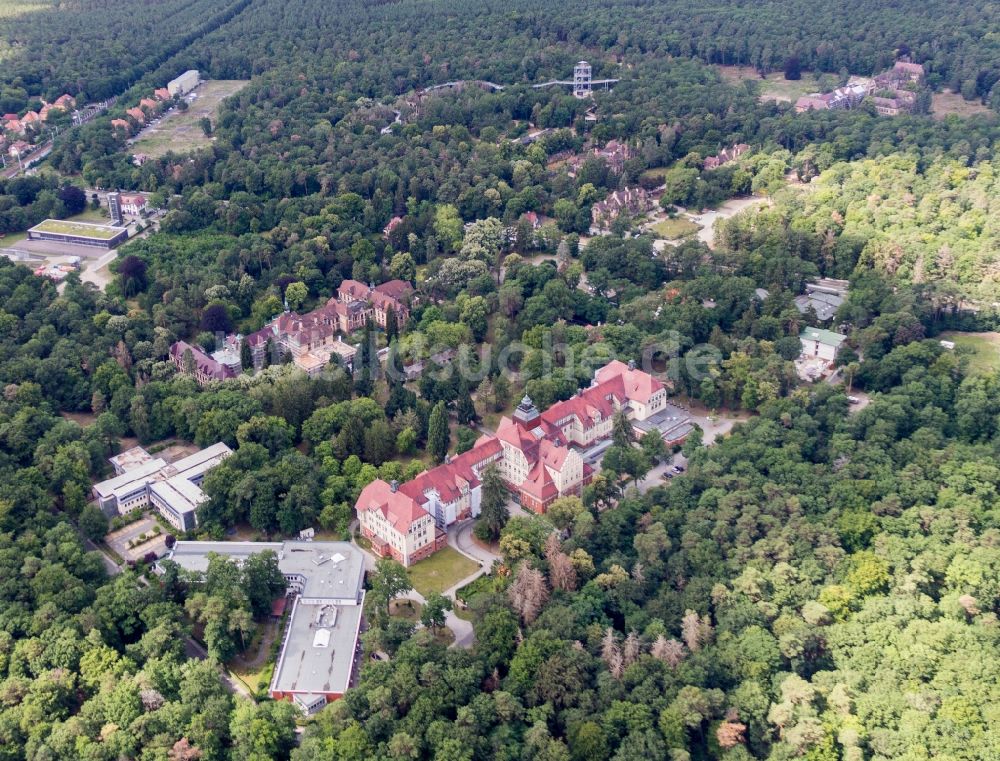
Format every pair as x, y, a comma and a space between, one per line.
406, 609
86, 229
984, 349
678, 227
774, 86
443, 569
8, 240
656, 173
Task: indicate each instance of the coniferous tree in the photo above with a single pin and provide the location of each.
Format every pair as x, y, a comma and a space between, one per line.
391, 325
438, 432
246, 356
493, 515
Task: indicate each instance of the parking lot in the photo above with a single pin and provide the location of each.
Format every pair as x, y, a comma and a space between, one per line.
119, 540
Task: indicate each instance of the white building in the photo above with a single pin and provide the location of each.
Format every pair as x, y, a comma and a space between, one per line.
185, 83
821, 344
319, 650
142, 481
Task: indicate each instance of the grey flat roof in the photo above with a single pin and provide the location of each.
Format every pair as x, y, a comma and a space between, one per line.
331, 570
668, 420
143, 472
201, 461
182, 495
317, 655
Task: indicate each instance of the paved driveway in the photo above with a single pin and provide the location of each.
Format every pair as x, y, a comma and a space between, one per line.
119, 540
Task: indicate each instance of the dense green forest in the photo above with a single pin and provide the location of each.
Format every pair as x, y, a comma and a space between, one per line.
508, 42
819, 584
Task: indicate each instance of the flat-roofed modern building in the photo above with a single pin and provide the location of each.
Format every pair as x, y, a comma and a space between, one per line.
78, 233
173, 489
319, 649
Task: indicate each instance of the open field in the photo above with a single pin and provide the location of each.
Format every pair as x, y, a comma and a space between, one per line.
984, 347
678, 227
774, 86
948, 102
442, 570
12, 8
82, 229
181, 131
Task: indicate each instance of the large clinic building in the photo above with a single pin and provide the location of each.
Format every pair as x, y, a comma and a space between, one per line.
319, 651
174, 489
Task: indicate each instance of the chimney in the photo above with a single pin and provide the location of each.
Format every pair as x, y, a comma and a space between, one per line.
631, 364
394, 485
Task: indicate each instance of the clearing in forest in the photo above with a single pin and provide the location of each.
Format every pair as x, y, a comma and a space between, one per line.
774, 86
181, 131
948, 102
984, 347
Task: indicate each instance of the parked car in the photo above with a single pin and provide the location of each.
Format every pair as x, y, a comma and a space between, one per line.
853, 400
678, 468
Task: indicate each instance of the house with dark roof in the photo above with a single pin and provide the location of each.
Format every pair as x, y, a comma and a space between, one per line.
630, 202
726, 155
204, 368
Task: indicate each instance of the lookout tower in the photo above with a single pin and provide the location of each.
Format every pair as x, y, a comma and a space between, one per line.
582, 74
526, 413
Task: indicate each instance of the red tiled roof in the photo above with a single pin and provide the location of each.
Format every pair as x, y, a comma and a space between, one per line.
398, 508
354, 290
638, 385
395, 289
539, 483
450, 478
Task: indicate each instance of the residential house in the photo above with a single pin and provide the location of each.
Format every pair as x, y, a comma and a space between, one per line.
66, 102
19, 149
726, 155
121, 124
31, 118
820, 343
149, 105
133, 203
162, 93
393, 224
11, 123
532, 218
138, 114
630, 201
205, 369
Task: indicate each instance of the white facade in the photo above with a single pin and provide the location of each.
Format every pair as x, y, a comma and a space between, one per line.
185, 83
173, 489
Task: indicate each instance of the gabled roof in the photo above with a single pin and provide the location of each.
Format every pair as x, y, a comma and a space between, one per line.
203, 362
450, 479
638, 386
398, 508
395, 289
354, 290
